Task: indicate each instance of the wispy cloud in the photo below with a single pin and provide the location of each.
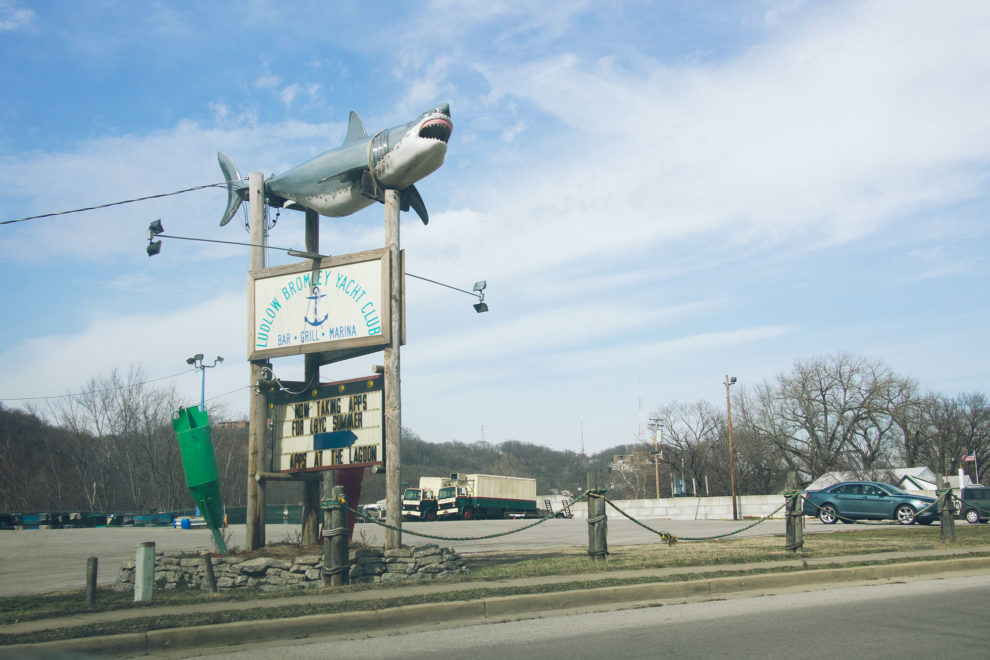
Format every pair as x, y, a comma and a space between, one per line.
14, 16
650, 189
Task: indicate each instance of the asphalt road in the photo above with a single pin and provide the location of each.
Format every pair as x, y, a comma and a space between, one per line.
46, 560
915, 619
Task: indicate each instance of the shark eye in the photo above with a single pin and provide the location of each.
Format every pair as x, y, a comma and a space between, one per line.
436, 129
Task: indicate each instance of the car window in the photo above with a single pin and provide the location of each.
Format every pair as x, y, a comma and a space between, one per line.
872, 490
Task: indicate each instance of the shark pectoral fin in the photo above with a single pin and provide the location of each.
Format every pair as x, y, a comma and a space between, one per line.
343, 176
237, 191
410, 197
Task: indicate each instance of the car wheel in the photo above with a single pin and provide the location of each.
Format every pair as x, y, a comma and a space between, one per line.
972, 516
468, 514
430, 516
828, 515
904, 514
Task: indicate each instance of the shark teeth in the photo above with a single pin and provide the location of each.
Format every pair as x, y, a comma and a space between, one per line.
436, 129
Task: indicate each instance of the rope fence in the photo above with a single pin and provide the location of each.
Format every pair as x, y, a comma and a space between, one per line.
666, 537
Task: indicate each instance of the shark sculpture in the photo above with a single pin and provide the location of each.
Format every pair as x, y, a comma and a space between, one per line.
357, 173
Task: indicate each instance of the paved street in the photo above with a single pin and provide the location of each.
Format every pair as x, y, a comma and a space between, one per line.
857, 622
45, 560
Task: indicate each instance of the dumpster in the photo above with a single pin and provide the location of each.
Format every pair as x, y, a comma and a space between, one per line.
192, 428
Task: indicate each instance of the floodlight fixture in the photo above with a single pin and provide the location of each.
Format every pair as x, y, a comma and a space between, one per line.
155, 228
478, 291
197, 362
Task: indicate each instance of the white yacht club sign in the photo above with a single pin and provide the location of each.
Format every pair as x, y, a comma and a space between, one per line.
336, 304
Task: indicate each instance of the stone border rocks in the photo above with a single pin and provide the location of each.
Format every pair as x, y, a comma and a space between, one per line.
367, 565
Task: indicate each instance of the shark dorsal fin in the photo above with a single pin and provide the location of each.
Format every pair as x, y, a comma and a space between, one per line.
355, 128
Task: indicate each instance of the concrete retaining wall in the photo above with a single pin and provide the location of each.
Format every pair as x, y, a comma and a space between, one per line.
701, 508
693, 508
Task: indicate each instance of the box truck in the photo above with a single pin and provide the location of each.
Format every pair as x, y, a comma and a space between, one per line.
470, 496
421, 503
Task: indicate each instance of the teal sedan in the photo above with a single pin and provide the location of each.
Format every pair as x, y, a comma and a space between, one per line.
869, 500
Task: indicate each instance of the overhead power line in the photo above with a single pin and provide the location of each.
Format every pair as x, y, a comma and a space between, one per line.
108, 389
104, 206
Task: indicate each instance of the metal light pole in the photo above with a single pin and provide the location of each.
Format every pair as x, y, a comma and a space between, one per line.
197, 362
732, 455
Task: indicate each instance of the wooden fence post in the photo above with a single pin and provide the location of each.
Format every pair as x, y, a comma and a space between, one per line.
91, 563
209, 578
947, 513
795, 521
335, 546
794, 510
597, 520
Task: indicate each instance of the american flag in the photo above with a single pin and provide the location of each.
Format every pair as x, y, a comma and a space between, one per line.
970, 457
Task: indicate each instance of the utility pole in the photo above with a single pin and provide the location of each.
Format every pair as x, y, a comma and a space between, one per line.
255, 515
732, 454
656, 461
393, 410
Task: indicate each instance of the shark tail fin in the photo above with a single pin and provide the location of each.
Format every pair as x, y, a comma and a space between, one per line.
355, 128
410, 197
237, 190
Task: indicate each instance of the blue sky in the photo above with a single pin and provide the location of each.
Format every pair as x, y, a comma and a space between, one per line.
657, 193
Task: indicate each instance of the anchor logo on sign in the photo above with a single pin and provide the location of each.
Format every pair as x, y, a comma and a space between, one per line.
316, 320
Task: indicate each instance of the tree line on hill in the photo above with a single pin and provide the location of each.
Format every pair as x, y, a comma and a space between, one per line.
113, 448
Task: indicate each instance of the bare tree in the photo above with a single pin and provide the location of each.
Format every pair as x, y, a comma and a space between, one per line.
951, 428
883, 398
689, 435
125, 452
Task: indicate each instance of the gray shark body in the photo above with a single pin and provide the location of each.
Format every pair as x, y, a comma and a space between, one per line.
354, 175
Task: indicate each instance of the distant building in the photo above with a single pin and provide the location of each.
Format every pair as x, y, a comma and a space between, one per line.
231, 425
629, 462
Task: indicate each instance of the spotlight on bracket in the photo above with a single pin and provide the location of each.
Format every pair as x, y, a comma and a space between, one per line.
155, 228
479, 288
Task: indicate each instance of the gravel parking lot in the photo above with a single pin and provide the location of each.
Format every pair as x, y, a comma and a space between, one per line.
46, 560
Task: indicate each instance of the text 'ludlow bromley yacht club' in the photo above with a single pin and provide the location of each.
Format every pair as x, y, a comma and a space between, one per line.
293, 310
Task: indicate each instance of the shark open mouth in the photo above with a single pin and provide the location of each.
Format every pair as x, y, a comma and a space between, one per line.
436, 129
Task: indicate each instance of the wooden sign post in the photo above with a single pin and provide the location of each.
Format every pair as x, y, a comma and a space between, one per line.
255, 514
